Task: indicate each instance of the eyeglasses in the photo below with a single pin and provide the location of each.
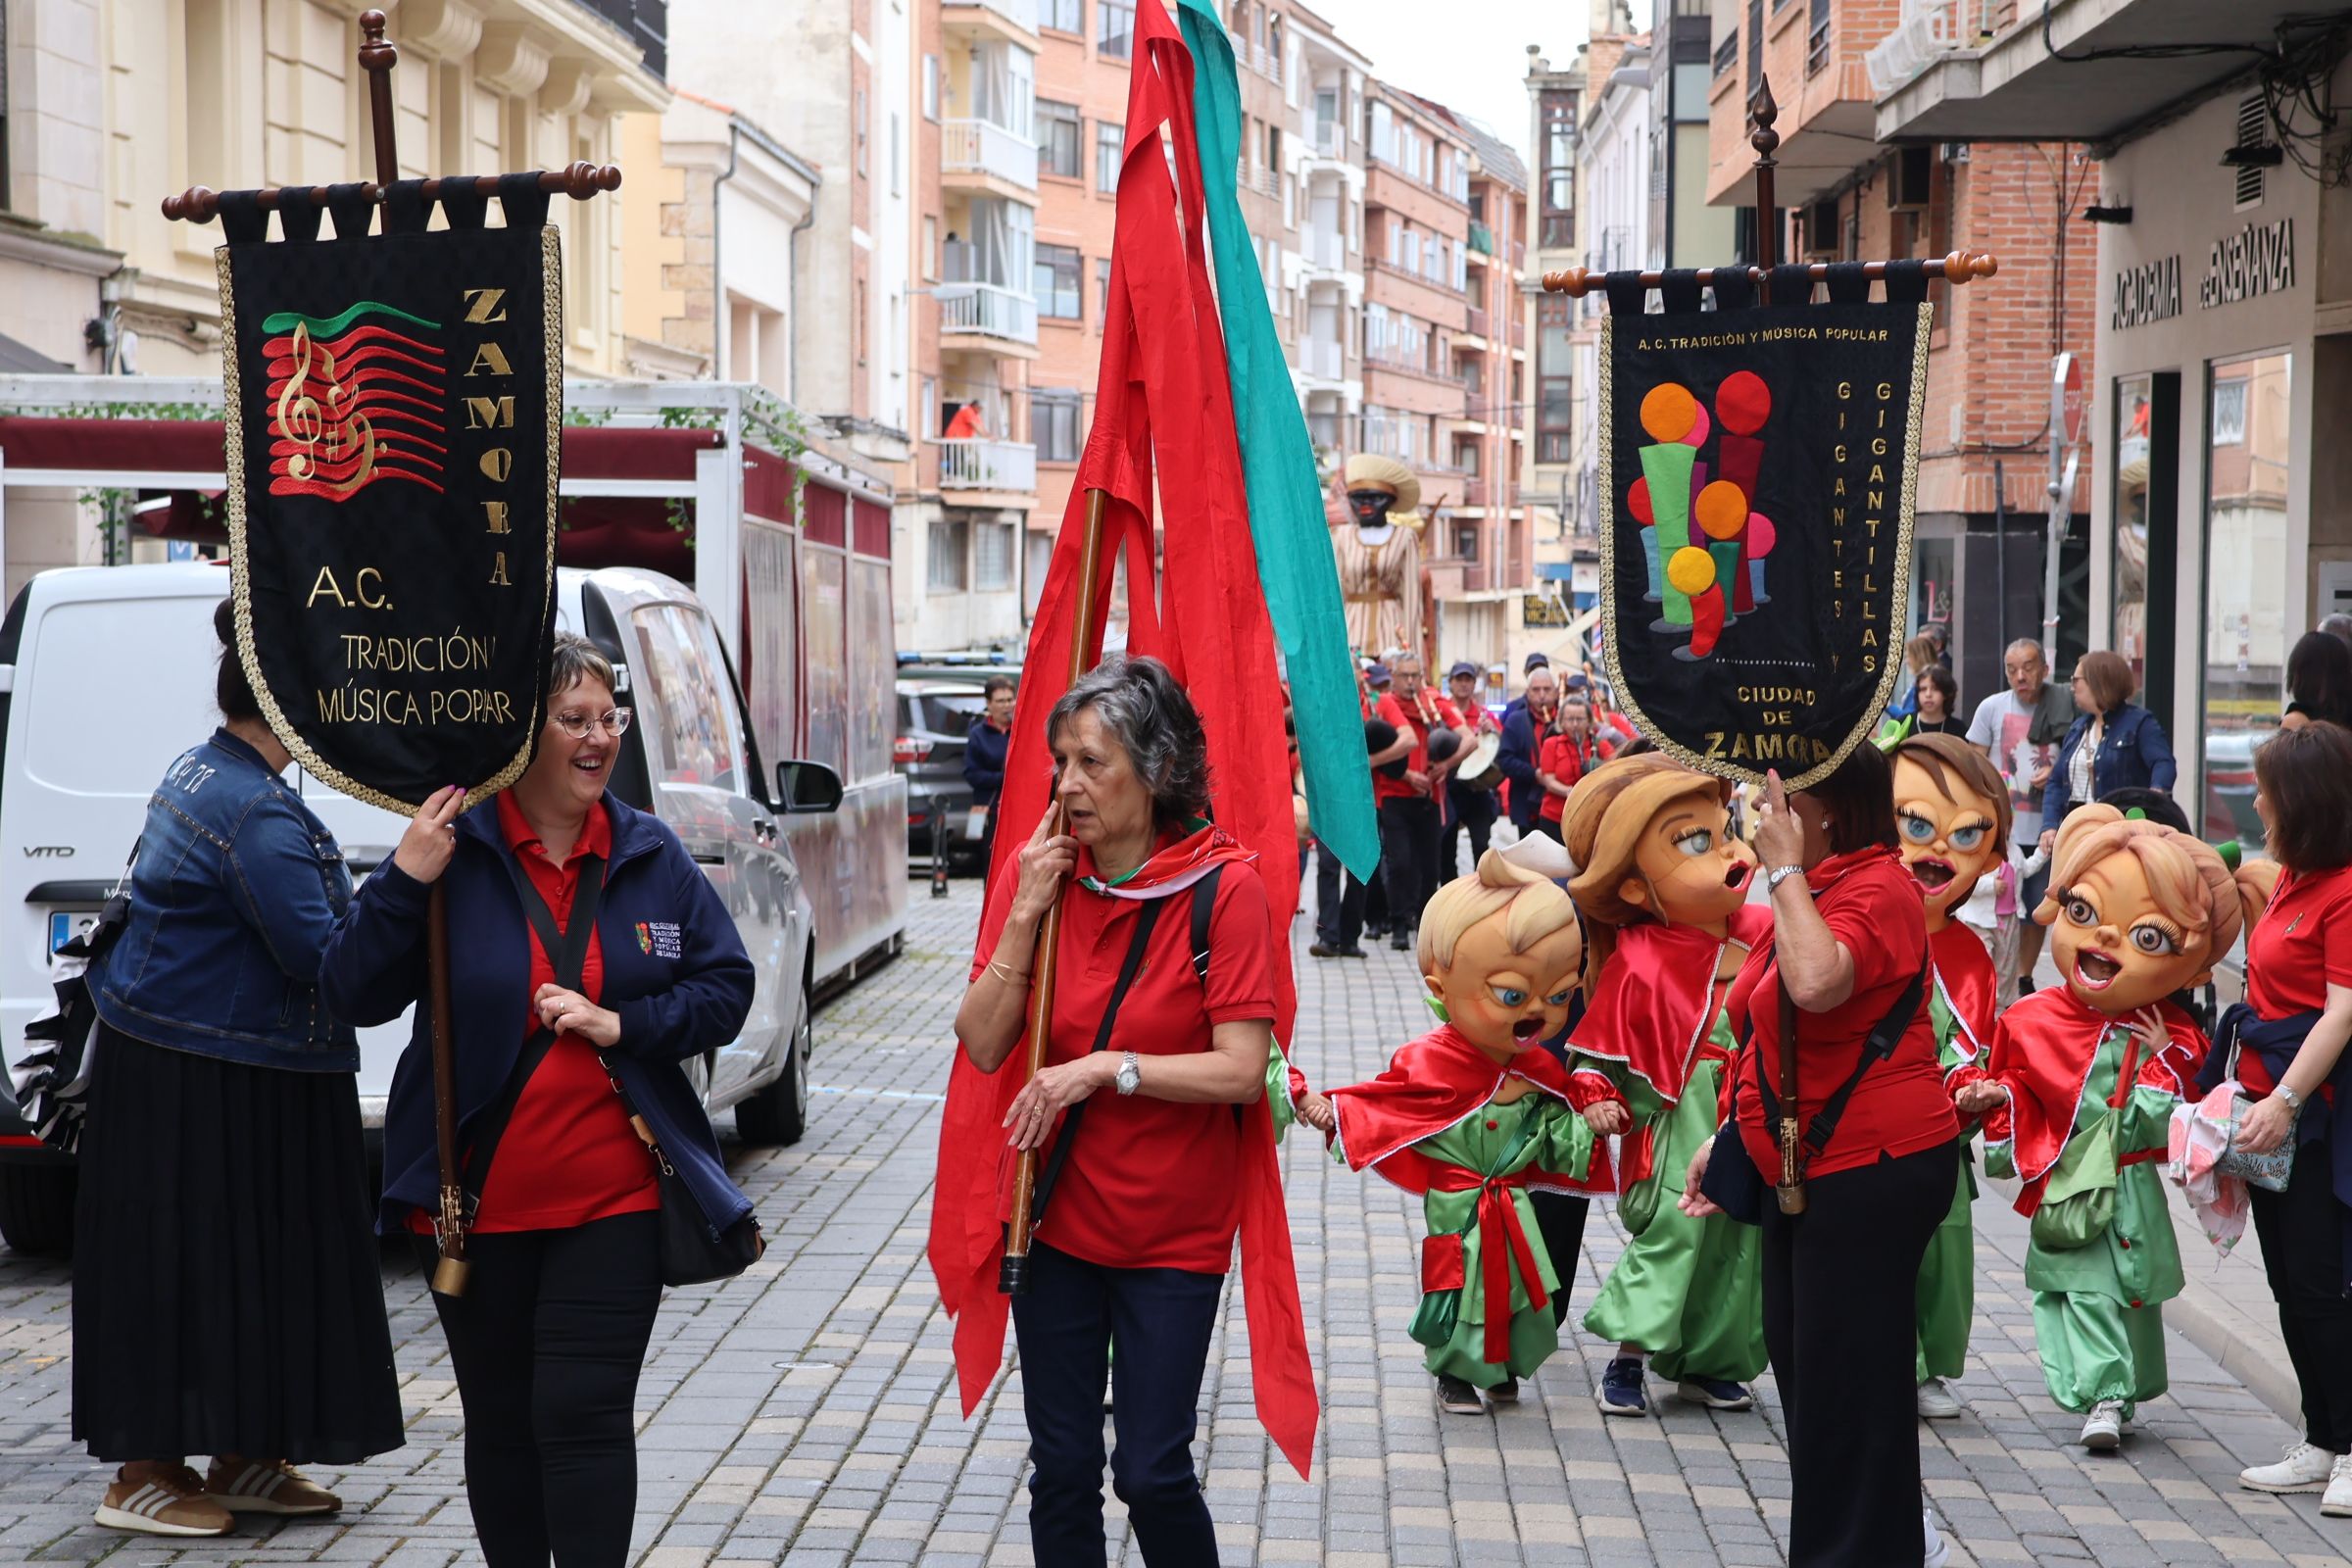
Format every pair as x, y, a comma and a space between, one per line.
615, 721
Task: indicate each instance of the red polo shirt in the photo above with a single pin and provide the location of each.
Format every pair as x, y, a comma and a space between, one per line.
1406, 715
1152, 1183
1873, 908
1566, 760
2302, 943
569, 1154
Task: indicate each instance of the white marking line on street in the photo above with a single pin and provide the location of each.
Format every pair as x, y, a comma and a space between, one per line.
878, 1094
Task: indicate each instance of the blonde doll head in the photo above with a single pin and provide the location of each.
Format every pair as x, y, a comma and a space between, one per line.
1500, 949
2138, 910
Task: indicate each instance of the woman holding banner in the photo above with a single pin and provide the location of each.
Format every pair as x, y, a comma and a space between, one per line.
555, 1024
1162, 1026
1843, 985
227, 1298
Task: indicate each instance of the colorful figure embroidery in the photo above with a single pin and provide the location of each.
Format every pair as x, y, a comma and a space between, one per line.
1705, 579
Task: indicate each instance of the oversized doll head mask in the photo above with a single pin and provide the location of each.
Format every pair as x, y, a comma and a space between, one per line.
1500, 951
1951, 816
2137, 910
1652, 841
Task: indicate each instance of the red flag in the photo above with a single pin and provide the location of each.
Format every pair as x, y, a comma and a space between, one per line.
1160, 394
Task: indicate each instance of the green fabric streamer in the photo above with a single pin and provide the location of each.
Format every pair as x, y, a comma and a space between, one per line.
1278, 469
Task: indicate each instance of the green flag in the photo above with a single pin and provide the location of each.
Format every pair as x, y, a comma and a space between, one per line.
1278, 469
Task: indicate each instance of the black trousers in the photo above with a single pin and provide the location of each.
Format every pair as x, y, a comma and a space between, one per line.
1840, 1287
2301, 1231
1560, 1221
1339, 901
1408, 858
1161, 1320
548, 1341
1471, 809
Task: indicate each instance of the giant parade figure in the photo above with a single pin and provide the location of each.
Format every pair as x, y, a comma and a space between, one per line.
1378, 548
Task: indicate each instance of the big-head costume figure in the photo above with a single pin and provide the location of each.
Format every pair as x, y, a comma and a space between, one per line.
1662, 882
1474, 1115
1378, 548
1953, 818
2080, 1097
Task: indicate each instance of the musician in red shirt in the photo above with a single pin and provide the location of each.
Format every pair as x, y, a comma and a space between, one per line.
1410, 822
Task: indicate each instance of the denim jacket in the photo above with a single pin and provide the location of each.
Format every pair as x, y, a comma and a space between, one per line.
2133, 753
236, 890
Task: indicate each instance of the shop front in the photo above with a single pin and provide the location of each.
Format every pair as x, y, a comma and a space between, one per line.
2221, 524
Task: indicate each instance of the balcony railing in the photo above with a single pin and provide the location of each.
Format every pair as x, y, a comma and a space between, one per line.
1322, 358
645, 22
987, 465
1324, 248
1021, 13
1481, 239
1265, 182
984, 147
1329, 143
987, 310
1477, 322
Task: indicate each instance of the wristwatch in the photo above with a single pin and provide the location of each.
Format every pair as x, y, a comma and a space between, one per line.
1779, 874
2294, 1102
1131, 1074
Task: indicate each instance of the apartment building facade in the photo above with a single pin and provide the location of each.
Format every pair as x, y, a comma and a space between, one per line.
1564, 549
1981, 521
1324, 273
114, 105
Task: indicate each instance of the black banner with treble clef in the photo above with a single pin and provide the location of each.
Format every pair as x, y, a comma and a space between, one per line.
394, 407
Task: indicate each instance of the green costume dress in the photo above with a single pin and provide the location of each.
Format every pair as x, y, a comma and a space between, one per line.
2097, 1309
1965, 982
1688, 1291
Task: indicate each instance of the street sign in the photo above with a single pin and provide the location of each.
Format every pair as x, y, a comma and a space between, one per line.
2069, 408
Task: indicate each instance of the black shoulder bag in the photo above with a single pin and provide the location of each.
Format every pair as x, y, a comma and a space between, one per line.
693, 1252
1732, 1181
1204, 900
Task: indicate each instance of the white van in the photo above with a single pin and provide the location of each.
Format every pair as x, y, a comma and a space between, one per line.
106, 675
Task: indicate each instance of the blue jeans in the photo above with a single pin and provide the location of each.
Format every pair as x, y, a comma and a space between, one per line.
1161, 1320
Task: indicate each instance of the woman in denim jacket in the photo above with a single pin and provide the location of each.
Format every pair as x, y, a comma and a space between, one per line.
2112, 744
228, 1299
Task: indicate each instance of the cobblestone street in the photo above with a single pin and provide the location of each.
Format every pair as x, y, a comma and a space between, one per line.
806, 1414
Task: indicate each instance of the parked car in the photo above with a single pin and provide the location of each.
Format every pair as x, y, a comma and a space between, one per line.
106, 674
934, 718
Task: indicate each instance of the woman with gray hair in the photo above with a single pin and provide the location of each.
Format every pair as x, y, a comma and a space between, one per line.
1163, 1007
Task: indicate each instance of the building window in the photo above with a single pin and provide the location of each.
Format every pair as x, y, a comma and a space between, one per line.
950, 544
1555, 388
930, 86
1056, 282
1053, 426
1110, 150
1102, 293
2250, 594
1062, 16
857, 126
1114, 28
1057, 149
991, 557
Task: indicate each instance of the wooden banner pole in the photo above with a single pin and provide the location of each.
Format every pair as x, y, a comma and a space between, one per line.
1012, 1274
378, 57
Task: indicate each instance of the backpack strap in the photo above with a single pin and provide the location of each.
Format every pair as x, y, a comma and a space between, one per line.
567, 949
1878, 1046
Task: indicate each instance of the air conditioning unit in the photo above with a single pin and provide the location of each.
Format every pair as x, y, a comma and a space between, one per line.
1953, 152
1908, 174
1824, 239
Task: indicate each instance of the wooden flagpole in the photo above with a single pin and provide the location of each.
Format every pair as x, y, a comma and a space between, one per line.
1012, 1274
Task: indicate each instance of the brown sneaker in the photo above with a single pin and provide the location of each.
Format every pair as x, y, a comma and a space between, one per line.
271, 1485
169, 1502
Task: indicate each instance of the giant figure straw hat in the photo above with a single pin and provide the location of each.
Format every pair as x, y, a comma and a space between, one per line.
1370, 472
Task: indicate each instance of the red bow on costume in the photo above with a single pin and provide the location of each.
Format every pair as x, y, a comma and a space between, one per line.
1499, 1221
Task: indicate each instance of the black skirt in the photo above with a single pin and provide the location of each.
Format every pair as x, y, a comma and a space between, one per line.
228, 1295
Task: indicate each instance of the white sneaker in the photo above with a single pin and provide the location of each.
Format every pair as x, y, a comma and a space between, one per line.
1939, 1550
2103, 1428
2306, 1468
2338, 1500
1936, 1401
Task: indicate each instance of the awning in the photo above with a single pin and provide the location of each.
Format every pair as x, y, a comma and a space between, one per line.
19, 359
2018, 87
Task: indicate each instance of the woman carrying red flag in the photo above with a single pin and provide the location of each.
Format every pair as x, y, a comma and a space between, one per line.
1161, 1029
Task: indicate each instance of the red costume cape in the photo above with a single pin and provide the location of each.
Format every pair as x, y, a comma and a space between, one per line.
1431, 1084
1965, 979
1652, 1011
2042, 1052
1162, 401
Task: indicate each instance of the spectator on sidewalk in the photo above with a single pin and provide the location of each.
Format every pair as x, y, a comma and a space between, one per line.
985, 745
2020, 727
2290, 1033
226, 1296
2112, 744
2319, 681
549, 1337
1937, 703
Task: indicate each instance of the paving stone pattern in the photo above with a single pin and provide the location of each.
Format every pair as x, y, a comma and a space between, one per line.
807, 1414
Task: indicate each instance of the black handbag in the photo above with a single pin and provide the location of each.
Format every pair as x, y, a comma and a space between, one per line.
52, 1079
693, 1250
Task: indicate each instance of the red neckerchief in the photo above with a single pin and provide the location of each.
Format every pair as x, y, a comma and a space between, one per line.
1175, 865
